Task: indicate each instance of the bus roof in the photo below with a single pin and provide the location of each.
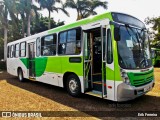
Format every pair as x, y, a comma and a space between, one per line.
67, 26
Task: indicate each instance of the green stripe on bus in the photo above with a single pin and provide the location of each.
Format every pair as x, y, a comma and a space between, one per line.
25, 62
40, 65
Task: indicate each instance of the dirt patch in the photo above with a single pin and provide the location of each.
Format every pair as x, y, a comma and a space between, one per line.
35, 96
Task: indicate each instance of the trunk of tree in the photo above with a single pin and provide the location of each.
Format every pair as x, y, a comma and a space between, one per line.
49, 20
5, 43
29, 25
23, 29
79, 16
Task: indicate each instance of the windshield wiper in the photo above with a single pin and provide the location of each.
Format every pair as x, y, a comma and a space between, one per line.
136, 36
143, 45
127, 26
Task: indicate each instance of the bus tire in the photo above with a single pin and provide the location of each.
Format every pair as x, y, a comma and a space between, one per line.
73, 85
20, 75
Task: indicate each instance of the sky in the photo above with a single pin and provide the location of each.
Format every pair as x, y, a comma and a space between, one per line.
141, 9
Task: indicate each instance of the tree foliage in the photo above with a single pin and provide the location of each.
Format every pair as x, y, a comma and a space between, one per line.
155, 22
42, 24
50, 6
85, 8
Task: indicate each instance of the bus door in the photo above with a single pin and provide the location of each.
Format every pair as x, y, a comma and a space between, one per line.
94, 37
31, 56
109, 64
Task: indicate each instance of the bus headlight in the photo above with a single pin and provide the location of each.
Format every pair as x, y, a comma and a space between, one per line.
125, 77
126, 80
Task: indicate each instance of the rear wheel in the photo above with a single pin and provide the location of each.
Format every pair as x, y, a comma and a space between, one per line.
20, 75
73, 86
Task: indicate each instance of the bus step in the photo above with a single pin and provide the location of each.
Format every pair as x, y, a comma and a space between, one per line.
97, 74
97, 82
32, 78
97, 85
95, 93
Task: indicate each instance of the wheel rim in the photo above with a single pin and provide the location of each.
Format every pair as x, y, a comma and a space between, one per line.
73, 85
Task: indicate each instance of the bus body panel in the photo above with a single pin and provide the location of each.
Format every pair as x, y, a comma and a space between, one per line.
13, 65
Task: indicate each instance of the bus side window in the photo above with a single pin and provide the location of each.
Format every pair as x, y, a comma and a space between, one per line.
38, 49
104, 44
17, 50
109, 47
48, 45
23, 49
12, 51
70, 42
62, 43
8, 51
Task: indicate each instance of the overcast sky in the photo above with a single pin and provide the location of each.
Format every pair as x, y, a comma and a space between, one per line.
138, 8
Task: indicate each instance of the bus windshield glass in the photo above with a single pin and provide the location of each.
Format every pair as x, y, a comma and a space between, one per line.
127, 19
133, 48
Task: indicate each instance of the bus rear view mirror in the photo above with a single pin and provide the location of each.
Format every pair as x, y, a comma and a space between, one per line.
117, 33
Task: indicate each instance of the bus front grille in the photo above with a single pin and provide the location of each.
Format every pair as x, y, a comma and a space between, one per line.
139, 79
140, 82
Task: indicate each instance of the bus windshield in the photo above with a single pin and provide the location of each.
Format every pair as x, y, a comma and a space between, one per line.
133, 48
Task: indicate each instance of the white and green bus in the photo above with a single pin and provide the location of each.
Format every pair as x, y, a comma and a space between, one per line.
106, 56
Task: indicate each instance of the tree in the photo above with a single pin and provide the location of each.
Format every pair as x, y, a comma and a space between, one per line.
85, 8
27, 10
42, 24
155, 22
6, 7
92, 5
50, 6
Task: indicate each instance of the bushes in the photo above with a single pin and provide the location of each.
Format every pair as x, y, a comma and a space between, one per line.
2, 65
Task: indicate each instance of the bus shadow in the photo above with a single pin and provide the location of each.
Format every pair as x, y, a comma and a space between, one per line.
86, 102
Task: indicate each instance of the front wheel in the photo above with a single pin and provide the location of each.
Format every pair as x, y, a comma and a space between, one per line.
73, 86
20, 75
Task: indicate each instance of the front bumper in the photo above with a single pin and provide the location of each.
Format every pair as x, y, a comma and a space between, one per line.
126, 92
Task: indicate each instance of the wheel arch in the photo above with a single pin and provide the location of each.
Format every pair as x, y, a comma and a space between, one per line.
18, 68
65, 76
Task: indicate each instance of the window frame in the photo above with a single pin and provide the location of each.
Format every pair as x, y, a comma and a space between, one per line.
8, 51
17, 50
21, 49
54, 36
109, 37
12, 52
37, 46
69, 41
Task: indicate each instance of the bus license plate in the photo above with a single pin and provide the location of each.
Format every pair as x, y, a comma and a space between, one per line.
146, 89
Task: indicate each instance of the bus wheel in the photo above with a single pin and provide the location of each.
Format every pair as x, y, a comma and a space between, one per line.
20, 75
73, 86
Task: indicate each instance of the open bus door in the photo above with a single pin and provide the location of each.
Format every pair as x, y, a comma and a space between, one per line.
94, 36
31, 60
